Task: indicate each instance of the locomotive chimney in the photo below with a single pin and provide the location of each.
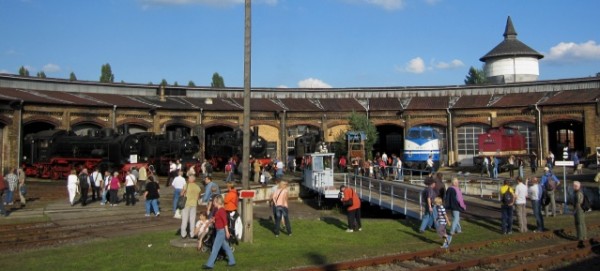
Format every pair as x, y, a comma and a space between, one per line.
162, 94
170, 135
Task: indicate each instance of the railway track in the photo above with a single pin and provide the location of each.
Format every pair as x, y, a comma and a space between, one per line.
20, 237
515, 252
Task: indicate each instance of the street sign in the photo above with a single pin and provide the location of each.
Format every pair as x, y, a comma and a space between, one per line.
565, 153
247, 194
564, 163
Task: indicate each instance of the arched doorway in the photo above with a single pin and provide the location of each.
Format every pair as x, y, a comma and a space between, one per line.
390, 140
37, 126
176, 131
566, 133
302, 139
468, 142
220, 144
442, 132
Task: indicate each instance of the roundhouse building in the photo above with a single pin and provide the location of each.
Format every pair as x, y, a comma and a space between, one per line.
551, 114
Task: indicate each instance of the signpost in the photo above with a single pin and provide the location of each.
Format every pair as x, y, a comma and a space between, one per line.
564, 164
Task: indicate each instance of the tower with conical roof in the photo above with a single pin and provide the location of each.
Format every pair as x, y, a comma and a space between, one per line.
511, 61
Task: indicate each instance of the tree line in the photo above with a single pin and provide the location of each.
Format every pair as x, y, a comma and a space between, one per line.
474, 77
107, 76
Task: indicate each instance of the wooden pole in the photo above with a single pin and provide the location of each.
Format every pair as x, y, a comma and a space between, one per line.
248, 212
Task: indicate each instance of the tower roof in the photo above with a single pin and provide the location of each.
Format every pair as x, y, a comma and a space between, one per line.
510, 46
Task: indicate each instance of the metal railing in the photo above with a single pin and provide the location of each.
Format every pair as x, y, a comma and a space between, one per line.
393, 195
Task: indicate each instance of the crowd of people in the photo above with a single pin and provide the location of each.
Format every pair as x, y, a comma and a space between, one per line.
441, 204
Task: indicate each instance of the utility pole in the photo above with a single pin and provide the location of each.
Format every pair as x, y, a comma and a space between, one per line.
248, 212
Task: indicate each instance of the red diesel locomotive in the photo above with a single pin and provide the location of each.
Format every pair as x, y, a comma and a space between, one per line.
501, 142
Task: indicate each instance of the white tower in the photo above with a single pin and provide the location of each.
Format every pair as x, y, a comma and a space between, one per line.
511, 61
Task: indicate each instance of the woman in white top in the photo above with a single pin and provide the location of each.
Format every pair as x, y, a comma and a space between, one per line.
72, 182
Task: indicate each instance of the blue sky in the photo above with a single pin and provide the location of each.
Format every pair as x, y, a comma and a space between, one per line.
295, 43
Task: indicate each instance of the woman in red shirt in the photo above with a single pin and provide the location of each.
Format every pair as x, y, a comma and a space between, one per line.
353, 209
231, 198
220, 221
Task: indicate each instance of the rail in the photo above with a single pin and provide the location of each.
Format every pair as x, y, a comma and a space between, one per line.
399, 197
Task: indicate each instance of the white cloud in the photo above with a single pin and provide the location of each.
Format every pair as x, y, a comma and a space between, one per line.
4, 71
313, 83
449, 65
282, 86
573, 52
215, 3
51, 68
415, 65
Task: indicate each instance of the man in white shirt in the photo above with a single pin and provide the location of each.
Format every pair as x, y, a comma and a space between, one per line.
521, 203
98, 184
178, 184
130, 182
172, 172
535, 195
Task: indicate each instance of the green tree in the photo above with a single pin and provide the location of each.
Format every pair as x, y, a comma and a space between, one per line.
41, 74
106, 75
191, 84
359, 122
72, 77
475, 77
23, 71
164, 82
175, 84
217, 81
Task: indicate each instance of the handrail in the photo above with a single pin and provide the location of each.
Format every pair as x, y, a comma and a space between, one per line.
386, 192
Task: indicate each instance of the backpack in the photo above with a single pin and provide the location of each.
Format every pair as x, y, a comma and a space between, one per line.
507, 197
228, 167
586, 204
551, 182
83, 180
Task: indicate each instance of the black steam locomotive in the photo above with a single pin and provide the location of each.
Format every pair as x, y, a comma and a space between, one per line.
224, 145
309, 142
53, 153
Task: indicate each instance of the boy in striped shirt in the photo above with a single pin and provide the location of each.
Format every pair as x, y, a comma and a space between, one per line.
442, 221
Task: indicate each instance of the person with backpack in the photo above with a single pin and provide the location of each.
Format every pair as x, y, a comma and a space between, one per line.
549, 183
84, 185
508, 202
578, 202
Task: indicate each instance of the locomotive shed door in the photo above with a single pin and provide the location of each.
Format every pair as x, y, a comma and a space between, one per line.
468, 142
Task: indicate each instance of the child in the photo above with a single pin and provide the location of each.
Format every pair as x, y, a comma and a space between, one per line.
201, 229
442, 221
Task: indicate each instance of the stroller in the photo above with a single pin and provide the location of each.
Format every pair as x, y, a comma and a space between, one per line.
235, 233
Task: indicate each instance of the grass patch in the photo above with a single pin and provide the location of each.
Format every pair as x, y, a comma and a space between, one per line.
313, 242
